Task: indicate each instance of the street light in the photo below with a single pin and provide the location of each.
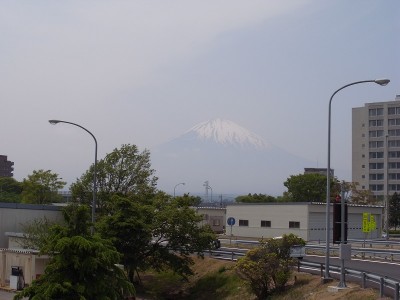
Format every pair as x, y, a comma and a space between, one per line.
382, 82
387, 188
54, 122
176, 186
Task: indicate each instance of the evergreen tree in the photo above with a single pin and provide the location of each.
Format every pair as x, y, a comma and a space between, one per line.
82, 266
394, 211
161, 233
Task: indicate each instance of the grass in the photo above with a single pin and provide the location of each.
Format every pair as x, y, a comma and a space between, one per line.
216, 279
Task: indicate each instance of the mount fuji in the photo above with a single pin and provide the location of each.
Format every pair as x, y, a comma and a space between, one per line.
231, 158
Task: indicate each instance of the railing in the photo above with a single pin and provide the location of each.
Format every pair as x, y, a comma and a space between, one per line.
391, 253
363, 277
372, 252
311, 267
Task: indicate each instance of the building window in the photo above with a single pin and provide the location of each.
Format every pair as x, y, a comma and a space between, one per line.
265, 223
395, 143
393, 110
376, 123
375, 112
394, 176
394, 165
243, 222
394, 132
376, 154
375, 166
363, 176
294, 224
363, 166
378, 176
375, 133
393, 122
394, 154
394, 187
376, 187
376, 144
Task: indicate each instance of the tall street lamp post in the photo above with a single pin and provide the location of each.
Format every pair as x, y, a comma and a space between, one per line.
176, 186
387, 188
382, 82
54, 122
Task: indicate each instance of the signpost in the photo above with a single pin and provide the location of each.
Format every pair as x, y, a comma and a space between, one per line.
368, 224
231, 222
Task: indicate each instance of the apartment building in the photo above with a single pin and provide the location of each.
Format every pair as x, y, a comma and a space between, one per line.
376, 147
6, 167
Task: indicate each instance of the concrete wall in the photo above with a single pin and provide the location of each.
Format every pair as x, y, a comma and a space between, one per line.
214, 216
278, 214
310, 215
31, 263
13, 215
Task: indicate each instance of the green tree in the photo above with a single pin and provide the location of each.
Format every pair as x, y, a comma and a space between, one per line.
41, 187
10, 190
267, 268
310, 187
394, 211
82, 266
255, 198
160, 234
123, 172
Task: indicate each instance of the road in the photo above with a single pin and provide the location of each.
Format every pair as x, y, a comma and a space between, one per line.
4, 295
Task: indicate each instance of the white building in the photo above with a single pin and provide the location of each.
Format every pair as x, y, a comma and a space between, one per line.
306, 220
213, 216
376, 147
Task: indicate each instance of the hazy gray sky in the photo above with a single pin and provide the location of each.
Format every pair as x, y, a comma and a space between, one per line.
143, 72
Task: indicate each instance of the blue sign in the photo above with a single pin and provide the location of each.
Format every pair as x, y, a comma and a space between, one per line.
231, 221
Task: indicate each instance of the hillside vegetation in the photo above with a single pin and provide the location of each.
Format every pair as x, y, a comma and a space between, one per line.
217, 279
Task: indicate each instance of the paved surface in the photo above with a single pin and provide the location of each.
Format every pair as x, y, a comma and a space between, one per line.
4, 295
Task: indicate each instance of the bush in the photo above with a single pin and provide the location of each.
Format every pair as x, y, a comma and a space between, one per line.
267, 268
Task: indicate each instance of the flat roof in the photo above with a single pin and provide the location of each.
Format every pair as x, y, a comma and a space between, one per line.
299, 203
29, 206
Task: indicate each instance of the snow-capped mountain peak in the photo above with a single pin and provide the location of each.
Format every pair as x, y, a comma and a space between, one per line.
227, 133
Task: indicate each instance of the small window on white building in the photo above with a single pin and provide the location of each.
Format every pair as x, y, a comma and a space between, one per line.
265, 223
243, 222
294, 224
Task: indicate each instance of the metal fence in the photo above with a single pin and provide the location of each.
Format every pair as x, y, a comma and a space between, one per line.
310, 267
361, 276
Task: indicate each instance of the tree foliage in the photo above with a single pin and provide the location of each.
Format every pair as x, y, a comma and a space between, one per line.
360, 196
159, 234
309, 187
10, 190
81, 266
267, 268
123, 172
41, 187
255, 198
36, 233
394, 211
